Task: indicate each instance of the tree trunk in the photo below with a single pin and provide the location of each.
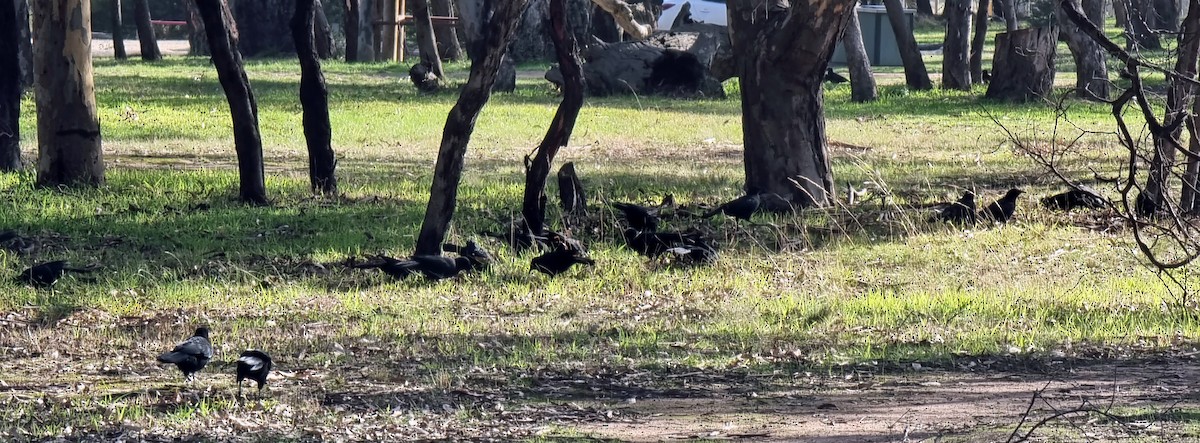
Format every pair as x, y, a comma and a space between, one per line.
1137, 31
118, 32
322, 34
25, 43
570, 190
924, 7
10, 89
533, 207
978, 41
1011, 21
604, 26
1121, 13
263, 29
426, 40
1189, 200
783, 115
446, 36
366, 31
350, 23
915, 75
533, 42
197, 39
314, 98
1179, 95
149, 44
862, 78
1023, 69
68, 125
223, 41
1091, 82
956, 71
499, 31
1164, 16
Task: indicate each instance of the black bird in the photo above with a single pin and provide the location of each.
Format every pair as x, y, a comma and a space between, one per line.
433, 267
986, 76
693, 254
558, 261
961, 211
557, 242
742, 207
46, 274
1083, 197
477, 257
654, 244
639, 217
255, 365
834, 77
1002, 210
192, 355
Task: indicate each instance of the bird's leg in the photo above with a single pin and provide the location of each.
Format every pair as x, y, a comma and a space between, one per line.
240, 389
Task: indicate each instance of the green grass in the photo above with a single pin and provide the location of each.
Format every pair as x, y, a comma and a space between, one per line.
829, 290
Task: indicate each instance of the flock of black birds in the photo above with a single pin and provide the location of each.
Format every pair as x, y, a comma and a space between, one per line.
641, 235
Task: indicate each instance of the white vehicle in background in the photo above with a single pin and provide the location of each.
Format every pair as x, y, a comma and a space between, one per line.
702, 11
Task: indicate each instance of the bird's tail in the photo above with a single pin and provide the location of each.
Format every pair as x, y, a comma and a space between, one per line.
451, 247
584, 260
172, 357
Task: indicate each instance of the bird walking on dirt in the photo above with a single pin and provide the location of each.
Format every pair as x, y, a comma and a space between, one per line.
45, 275
478, 259
960, 212
1002, 210
191, 355
254, 365
1082, 197
639, 217
433, 267
742, 207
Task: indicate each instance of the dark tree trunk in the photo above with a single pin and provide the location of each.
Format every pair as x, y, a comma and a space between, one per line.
350, 19
570, 190
322, 35
426, 39
978, 41
118, 30
263, 29
446, 36
314, 98
25, 43
924, 7
604, 26
366, 32
862, 78
149, 44
499, 31
531, 43
956, 71
1189, 200
68, 125
1164, 16
1180, 94
387, 45
197, 39
1121, 12
1137, 31
1091, 69
222, 41
10, 89
915, 75
537, 169
1008, 10
1023, 69
783, 115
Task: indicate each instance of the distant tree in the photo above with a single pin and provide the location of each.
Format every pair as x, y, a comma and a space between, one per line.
351, 25
915, 75
68, 125
956, 71
118, 31
978, 40
537, 169
1167, 140
498, 33
1138, 34
141, 15
322, 35
447, 36
263, 29
1091, 79
924, 7
784, 48
862, 78
426, 39
25, 43
1008, 10
10, 89
314, 97
197, 38
222, 42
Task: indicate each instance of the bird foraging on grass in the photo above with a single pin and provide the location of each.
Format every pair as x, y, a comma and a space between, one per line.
45, 275
254, 365
639, 217
1001, 211
742, 207
191, 355
478, 259
559, 261
433, 267
960, 212
1082, 197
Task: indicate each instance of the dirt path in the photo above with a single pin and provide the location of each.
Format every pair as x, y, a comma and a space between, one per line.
102, 46
935, 405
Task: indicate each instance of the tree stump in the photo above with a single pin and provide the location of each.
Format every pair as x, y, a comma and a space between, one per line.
1023, 67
